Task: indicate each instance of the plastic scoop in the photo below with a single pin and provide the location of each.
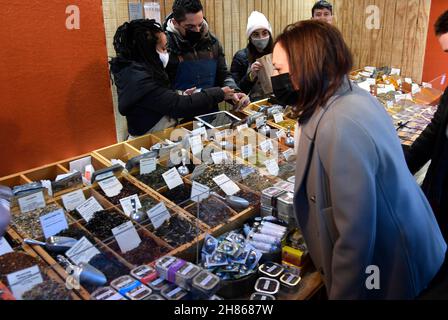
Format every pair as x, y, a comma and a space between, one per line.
234, 202
56, 244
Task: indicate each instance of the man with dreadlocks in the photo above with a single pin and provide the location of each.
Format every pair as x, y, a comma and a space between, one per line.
145, 96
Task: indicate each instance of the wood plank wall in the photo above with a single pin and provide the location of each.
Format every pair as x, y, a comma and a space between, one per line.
399, 43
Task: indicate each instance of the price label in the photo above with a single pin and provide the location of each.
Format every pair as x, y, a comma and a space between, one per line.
266, 146
73, 200
288, 153
82, 252
89, 208
260, 121
126, 204
158, 215
395, 71
281, 134
4, 247
196, 144
228, 186
53, 223
24, 280
32, 202
172, 178
242, 127
148, 165
127, 237
278, 117
199, 192
111, 187
246, 151
272, 167
219, 157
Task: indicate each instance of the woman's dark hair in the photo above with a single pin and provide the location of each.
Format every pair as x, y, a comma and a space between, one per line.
137, 41
320, 5
183, 7
441, 25
254, 54
319, 61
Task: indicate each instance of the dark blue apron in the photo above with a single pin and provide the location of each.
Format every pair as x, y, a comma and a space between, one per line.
196, 73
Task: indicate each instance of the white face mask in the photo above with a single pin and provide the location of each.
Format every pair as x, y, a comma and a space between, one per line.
164, 57
261, 44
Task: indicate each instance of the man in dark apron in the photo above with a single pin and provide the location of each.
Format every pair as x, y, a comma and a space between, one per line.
196, 56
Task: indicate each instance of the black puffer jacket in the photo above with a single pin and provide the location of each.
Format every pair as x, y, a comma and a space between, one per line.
240, 70
145, 97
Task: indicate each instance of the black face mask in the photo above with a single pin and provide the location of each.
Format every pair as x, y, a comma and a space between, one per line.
284, 90
192, 36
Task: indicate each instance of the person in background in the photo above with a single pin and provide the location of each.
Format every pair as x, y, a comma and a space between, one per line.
369, 229
245, 66
323, 10
5, 214
433, 145
145, 96
196, 56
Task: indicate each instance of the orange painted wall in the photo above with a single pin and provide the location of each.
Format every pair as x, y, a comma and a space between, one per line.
436, 61
55, 99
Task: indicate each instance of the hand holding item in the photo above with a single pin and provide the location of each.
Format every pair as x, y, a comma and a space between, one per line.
243, 101
189, 92
254, 69
228, 93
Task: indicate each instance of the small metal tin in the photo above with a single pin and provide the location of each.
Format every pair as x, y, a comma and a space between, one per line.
206, 283
257, 296
266, 211
174, 292
290, 282
186, 274
215, 297
271, 269
131, 288
163, 264
158, 285
155, 297
285, 186
285, 209
270, 195
145, 274
106, 293
267, 286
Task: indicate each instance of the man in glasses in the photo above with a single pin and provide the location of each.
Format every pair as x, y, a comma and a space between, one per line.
197, 58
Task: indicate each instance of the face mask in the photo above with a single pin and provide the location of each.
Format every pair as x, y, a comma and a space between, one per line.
261, 44
164, 57
193, 37
284, 90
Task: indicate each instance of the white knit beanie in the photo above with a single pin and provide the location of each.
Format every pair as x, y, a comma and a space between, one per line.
256, 21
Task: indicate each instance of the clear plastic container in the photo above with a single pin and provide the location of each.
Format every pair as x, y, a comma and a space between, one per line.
271, 269
158, 285
163, 264
262, 297
106, 293
290, 282
131, 288
206, 283
145, 274
186, 274
173, 292
267, 286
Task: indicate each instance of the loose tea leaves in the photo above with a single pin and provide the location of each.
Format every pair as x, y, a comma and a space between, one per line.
233, 171
128, 190
48, 291
257, 182
179, 195
212, 212
16, 261
103, 222
176, 231
153, 180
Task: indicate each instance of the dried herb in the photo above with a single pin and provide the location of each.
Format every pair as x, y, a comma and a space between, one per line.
287, 170
48, 291
176, 232
103, 222
212, 212
16, 261
153, 180
257, 182
233, 171
179, 195
128, 190
74, 232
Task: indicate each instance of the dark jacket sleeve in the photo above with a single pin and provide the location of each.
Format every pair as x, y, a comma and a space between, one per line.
223, 76
422, 149
239, 70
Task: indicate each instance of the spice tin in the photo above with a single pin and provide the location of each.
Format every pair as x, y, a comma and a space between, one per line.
267, 286
290, 282
106, 293
158, 285
269, 196
285, 186
173, 292
285, 209
186, 274
163, 264
155, 297
206, 283
215, 297
267, 211
131, 288
145, 274
271, 269
262, 297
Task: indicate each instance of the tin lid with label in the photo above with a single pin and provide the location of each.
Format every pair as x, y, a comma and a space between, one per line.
165, 262
215, 297
145, 274
155, 297
290, 280
262, 297
206, 281
271, 192
158, 285
188, 271
174, 292
131, 288
267, 286
106, 293
287, 199
271, 269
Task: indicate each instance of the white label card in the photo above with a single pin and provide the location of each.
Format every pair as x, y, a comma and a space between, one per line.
80, 164
158, 215
148, 165
24, 280
266, 146
32, 202
247, 151
199, 192
395, 71
242, 127
260, 121
200, 131
219, 157
144, 150
126, 204
89, 208
53, 223
288, 153
127, 237
4, 247
82, 251
73, 200
278, 117
172, 178
272, 167
111, 186
281, 134
227, 185
196, 144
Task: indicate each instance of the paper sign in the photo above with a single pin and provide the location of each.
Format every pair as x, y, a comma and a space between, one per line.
266, 146
158, 215
219, 157
246, 151
89, 208
278, 117
395, 71
135, 11
272, 167
144, 150
53, 223
172, 178
242, 127
118, 161
408, 80
80, 164
196, 144
111, 186
127, 237
260, 121
199, 192
148, 165
288, 153
4, 247
226, 185
281, 134
24, 280
82, 252
370, 69
73, 200
200, 131
32, 202
220, 135
126, 204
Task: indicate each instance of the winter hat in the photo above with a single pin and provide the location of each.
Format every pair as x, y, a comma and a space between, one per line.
256, 21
